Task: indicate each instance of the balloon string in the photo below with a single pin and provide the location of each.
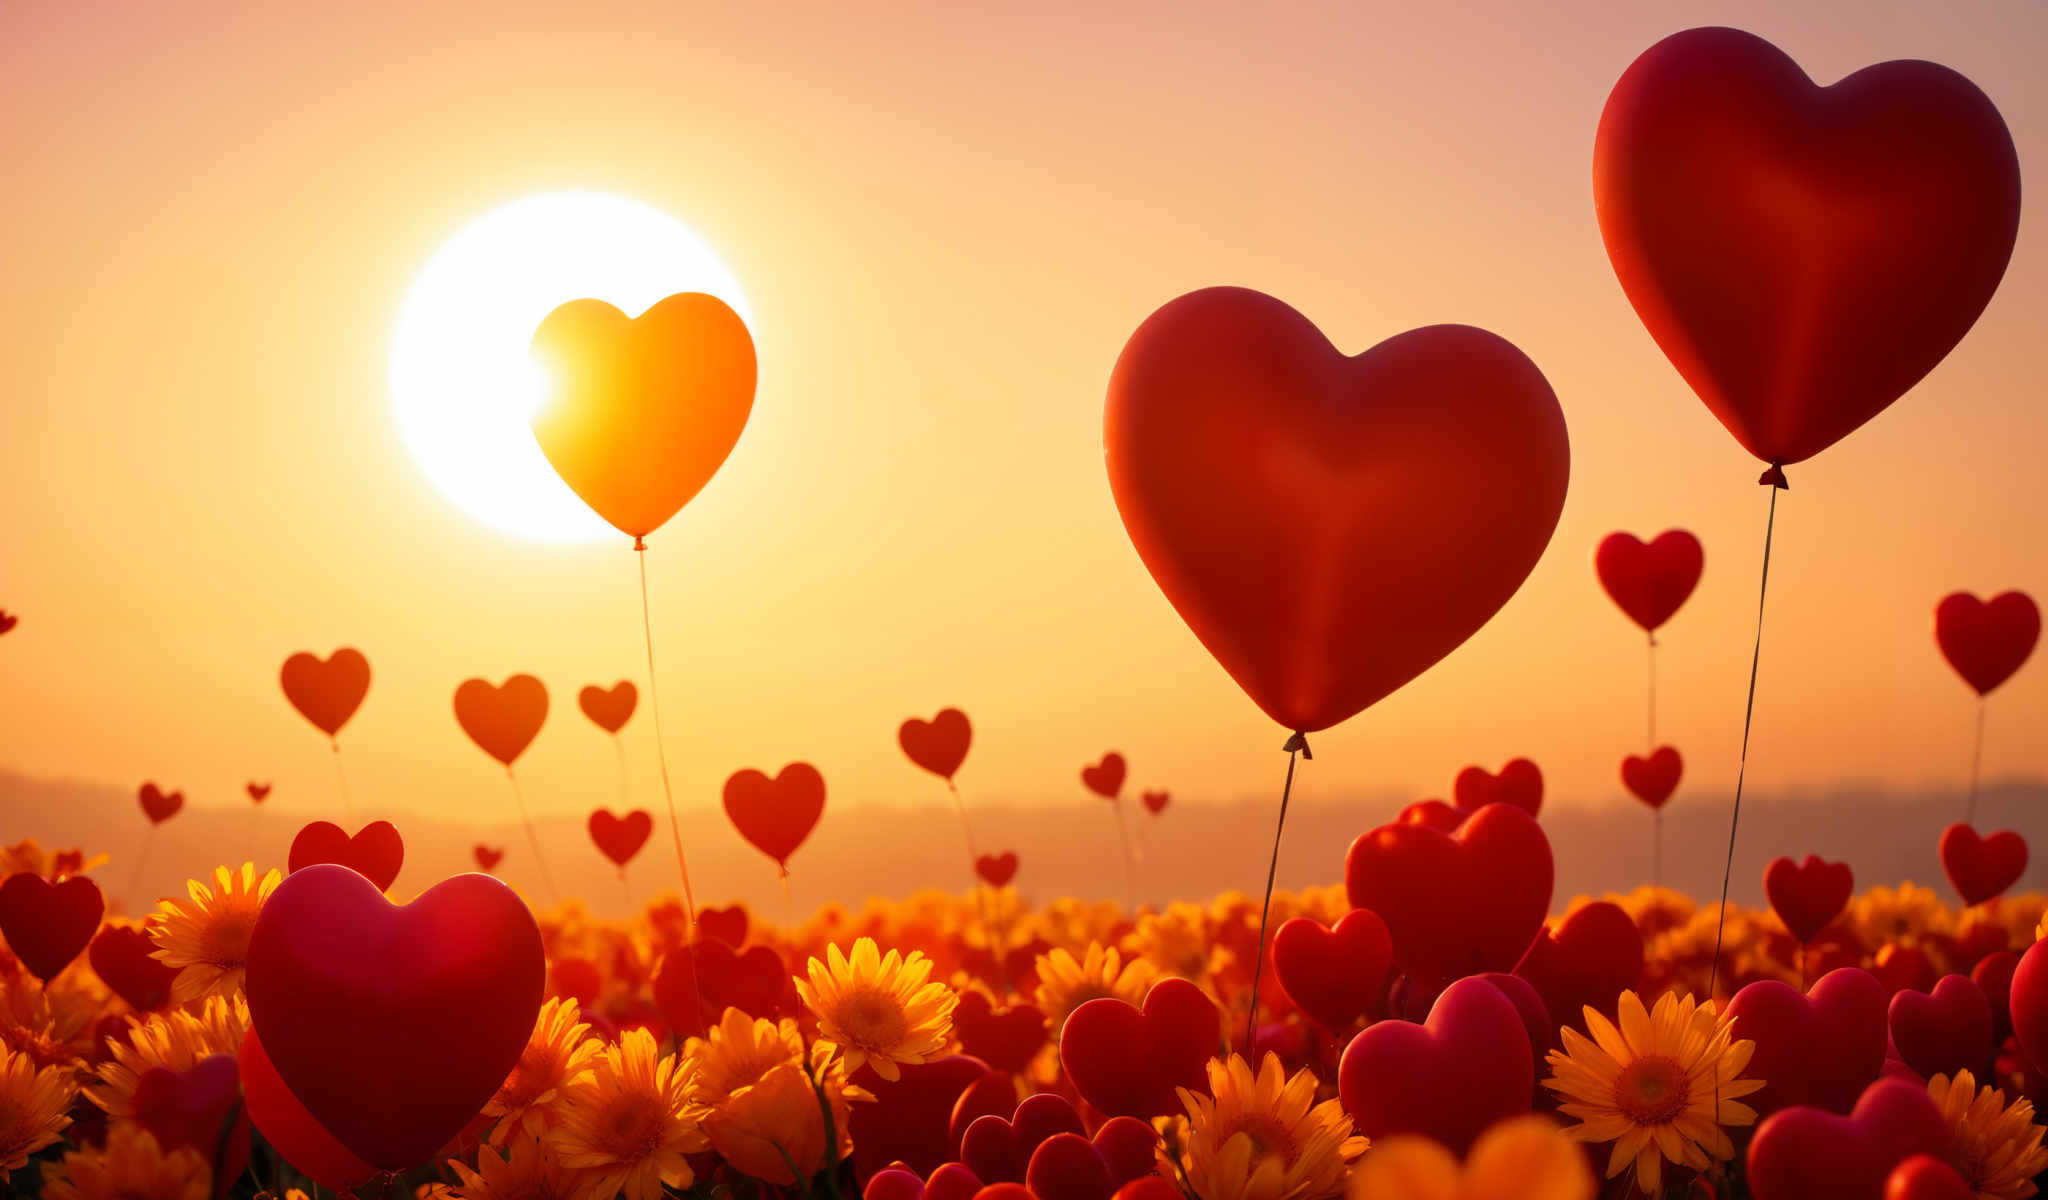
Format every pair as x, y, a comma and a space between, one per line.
1123, 834
1657, 848
141, 856
341, 777
1976, 761
661, 751
1652, 740
1297, 747
1742, 764
532, 837
620, 746
974, 881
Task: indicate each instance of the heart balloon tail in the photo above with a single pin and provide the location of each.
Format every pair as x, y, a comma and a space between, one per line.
141, 857
1657, 848
1123, 834
788, 908
661, 755
981, 900
1742, 764
533, 838
1651, 741
624, 804
1976, 764
341, 779
1296, 747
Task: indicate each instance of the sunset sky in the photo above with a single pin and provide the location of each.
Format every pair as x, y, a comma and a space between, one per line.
946, 223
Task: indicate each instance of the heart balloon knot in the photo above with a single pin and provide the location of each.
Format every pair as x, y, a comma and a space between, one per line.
639, 543
1774, 477
1298, 744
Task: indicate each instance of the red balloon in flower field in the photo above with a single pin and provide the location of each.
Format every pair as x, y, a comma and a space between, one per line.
326, 691
1273, 487
488, 857
1945, 1030
1593, 955
376, 852
1649, 580
1652, 780
1925, 1177
258, 792
49, 924
1156, 802
1519, 783
2027, 1000
123, 956
609, 708
1105, 778
1007, 1038
1803, 255
1336, 974
620, 838
938, 745
1127, 1061
1448, 1078
502, 720
1457, 903
776, 815
998, 1149
1821, 1048
908, 1119
996, 869
1986, 641
158, 805
191, 1108
293, 1132
1808, 895
1981, 868
1803, 1153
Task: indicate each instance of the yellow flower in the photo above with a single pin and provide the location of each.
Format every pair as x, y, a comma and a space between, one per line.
879, 1010
558, 1051
1904, 915
130, 1167
51, 1022
1066, 983
33, 1101
208, 939
528, 1173
1521, 1158
1175, 942
173, 1040
761, 1107
1995, 1148
626, 1123
1650, 1085
1266, 1138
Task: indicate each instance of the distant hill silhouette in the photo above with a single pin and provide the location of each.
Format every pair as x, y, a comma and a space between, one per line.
1191, 852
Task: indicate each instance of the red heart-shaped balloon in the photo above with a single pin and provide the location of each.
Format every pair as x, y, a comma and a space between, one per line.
938, 745
1591, 958
1459, 903
123, 956
49, 924
2028, 1001
1649, 580
1802, 254
999, 1150
8, 620
258, 792
776, 815
1335, 974
488, 857
1127, 1146
1519, 783
1946, 1030
1925, 1177
1982, 868
1127, 1062
502, 720
994, 1094
1433, 814
620, 838
200, 1108
292, 1131
1820, 1049
728, 924
609, 709
1801, 1152
158, 805
1986, 642
1105, 778
393, 1024
1448, 1078
694, 985
326, 691
1994, 974
1007, 1039
1808, 895
1067, 1165
376, 852
1271, 484
1652, 780
1156, 802
996, 869
908, 1120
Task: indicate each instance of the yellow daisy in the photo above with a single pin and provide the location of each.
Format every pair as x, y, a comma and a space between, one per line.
208, 938
626, 1123
528, 1172
1649, 1085
173, 1040
1521, 1158
51, 1022
1065, 983
1175, 942
1904, 915
557, 1052
879, 1010
33, 1101
1996, 1148
762, 1111
131, 1166
1266, 1138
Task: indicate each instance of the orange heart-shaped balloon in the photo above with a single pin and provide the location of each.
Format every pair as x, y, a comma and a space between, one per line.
609, 709
776, 815
641, 412
326, 691
502, 720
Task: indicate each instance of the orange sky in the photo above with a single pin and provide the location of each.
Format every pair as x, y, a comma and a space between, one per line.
947, 224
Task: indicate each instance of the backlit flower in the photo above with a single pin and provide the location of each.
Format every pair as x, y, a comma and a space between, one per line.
528, 1172
173, 1040
1904, 914
761, 1107
1065, 983
131, 1166
1175, 942
1266, 1138
207, 938
33, 1101
558, 1051
626, 1123
878, 1009
1994, 1146
51, 1022
1521, 1158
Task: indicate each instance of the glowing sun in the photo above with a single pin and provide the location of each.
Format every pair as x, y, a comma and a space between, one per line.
461, 381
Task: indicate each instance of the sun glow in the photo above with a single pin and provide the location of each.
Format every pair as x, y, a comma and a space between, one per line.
462, 383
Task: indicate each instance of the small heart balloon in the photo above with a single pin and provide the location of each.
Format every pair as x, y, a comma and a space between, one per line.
292, 1131
158, 805
998, 1149
996, 870
502, 720
1943, 1031
640, 412
326, 691
776, 815
8, 620
124, 957
1801, 1153
1981, 868
1519, 783
1156, 802
1592, 957
1649, 581
1105, 778
258, 792
728, 924
1652, 780
1127, 1061
49, 924
433, 1002
938, 745
199, 1108
1819, 1049
1274, 489
1007, 1039
1808, 895
488, 857
376, 852
1336, 974
1986, 642
1466, 1067
609, 709
620, 838
993, 1095
694, 985
1069, 1166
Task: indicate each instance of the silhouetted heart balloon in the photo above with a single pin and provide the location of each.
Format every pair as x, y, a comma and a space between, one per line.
776, 815
1007, 1039
1986, 641
393, 1024
488, 857
938, 745
1327, 526
1127, 1061
376, 852
1519, 783
1802, 254
1943, 1031
502, 720
1458, 903
1652, 780
1105, 778
123, 956
327, 691
49, 924
290, 1129
158, 805
1449, 1078
1156, 802
258, 792
1807, 895
1335, 974
641, 412
1649, 580
1982, 867
609, 709
8, 620
620, 838
694, 985
996, 869
1803, 1153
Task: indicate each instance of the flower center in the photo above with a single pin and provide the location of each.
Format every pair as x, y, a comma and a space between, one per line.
1651, 1090
1269, 1138
635, 1125
872, 1020
227, 942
